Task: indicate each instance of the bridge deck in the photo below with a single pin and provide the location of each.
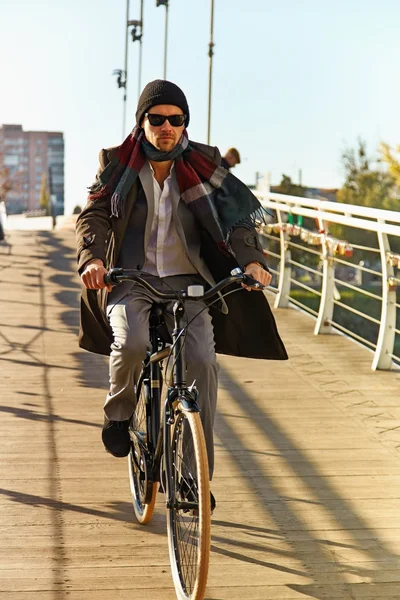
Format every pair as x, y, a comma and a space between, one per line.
307, 480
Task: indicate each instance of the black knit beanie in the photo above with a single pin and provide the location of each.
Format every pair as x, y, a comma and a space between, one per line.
161, 92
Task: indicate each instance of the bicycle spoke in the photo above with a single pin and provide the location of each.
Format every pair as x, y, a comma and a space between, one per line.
187, 518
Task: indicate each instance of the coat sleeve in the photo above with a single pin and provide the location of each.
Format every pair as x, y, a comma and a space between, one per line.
247, 247
93, 226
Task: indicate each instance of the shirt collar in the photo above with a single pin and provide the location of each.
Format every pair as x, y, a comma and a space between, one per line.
171, 171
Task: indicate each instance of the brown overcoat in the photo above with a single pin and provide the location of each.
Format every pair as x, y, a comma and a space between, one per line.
248, 329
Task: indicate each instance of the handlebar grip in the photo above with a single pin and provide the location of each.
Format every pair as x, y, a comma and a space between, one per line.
248, 280
111, 278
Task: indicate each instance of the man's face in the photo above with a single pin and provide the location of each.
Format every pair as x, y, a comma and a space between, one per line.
231, 159
163, 137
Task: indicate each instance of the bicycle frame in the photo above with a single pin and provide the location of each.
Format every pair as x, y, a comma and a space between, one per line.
177, 438
160, 428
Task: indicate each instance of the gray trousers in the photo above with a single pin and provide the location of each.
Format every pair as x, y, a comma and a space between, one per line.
129, 320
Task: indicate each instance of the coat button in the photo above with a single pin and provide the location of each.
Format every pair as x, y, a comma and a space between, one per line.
139, 267
250, 240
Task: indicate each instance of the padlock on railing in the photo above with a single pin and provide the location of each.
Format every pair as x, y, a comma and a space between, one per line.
393, 259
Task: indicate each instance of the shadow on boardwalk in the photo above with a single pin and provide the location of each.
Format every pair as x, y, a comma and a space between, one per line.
288, 522
26, 340
92, 368
117, 511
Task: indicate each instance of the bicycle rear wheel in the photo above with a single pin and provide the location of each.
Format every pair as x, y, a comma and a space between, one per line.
143, 489
189, 515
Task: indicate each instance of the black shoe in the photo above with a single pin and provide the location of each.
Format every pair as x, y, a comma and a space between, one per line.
116, 438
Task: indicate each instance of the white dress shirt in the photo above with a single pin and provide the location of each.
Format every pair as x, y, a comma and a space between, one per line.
165, 254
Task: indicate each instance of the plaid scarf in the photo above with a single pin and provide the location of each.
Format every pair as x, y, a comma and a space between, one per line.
217, 198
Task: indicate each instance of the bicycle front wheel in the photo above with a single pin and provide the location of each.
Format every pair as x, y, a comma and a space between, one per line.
189, 514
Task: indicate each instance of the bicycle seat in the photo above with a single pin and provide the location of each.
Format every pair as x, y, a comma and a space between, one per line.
157, 310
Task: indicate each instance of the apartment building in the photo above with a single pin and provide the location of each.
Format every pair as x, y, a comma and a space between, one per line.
29, 155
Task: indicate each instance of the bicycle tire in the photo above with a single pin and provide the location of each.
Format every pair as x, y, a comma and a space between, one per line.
143, 489
189, 531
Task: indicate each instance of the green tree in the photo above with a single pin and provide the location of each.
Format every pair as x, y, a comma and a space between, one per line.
10, 179
286, 186
5, 182
367, 183
44, 198
388, 155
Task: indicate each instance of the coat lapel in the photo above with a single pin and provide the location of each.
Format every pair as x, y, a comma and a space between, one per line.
146, 179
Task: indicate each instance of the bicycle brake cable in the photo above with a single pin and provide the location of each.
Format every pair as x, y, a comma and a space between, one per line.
195, 317
181, 299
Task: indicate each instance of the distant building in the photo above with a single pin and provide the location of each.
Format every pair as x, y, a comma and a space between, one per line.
28, 155
313, 193
322, 193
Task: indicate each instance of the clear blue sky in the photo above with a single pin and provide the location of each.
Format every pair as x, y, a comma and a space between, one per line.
294, 81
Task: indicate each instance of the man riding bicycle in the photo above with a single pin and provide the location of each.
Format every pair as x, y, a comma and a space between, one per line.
161, 204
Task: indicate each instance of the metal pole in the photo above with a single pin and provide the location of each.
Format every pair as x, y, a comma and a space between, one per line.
210, 54
166, 40
140, 49
285, 268
126, 70
326, 304
387, 327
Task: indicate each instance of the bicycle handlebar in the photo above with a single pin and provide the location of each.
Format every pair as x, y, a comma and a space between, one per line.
115, 276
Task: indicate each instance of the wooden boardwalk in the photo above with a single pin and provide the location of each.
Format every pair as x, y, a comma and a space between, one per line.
307, 479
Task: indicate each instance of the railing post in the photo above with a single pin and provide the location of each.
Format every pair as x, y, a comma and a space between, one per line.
285, 269
325, 313
385, 345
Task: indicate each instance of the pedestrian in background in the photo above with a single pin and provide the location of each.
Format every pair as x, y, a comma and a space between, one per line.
231, 159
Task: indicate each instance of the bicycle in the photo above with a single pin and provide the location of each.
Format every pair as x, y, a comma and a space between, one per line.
168, 446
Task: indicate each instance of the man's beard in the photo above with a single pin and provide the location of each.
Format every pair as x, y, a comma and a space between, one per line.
166, 143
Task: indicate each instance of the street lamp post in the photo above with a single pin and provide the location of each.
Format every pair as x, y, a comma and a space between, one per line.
126, 70
166, 4
122, 83
122, 75
141, 48
137, 37
210, 54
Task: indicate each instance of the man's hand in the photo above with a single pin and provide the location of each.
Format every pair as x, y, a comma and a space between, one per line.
258, 273
93, 275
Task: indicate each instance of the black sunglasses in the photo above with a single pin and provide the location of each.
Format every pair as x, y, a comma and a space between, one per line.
158, 120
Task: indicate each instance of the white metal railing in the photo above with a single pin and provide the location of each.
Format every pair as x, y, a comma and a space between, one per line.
283, 236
